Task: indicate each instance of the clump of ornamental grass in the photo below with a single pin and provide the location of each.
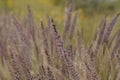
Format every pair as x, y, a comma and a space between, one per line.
32, 52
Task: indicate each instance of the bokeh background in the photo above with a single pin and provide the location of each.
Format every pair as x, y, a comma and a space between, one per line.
89, 7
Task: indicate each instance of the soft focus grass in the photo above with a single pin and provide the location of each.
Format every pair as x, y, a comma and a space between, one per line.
86, 23
41, 8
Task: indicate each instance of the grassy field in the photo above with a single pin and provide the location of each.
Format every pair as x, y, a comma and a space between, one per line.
40, 41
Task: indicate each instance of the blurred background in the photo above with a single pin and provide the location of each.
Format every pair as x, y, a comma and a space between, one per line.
90, 11
87, 7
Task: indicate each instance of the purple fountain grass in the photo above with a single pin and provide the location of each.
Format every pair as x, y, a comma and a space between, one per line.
33, 53
110, 27
31, 24
114, 38
90, 69
25, 68
58, 41
50, 74
67, 24
73, 25
20, 31
79, 43
24, 41
70, 52
45, 43
32, 30
3, 38
116, 47
15, 65
118, 60
100, 35
60, 50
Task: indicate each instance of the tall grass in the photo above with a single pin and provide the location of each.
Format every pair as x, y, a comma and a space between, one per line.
32, 52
